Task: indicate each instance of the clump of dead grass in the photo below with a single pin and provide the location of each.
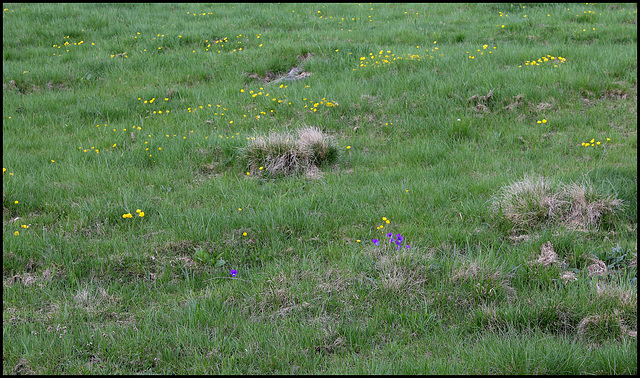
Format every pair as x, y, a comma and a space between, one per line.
536, 202
288, 154
548, 255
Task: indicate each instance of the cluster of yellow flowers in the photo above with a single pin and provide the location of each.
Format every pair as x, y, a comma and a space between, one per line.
481, 51
593, 143
385, 58
97, 150
207, 43
67, 45
149, 102
549, 58
386, 221
314, 104
128, 215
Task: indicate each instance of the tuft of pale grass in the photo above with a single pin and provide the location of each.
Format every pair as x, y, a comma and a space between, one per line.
535, 202
568, 276
315, 146
529, 202
284, 154
587, 206
548, 255
598, 268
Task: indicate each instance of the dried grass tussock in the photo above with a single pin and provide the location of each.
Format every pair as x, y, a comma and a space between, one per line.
289, 154
535, 202
547, 255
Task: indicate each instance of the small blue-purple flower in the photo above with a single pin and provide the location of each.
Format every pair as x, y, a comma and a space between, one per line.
407, 246
399, 237
376, 242
233, 272
390, 235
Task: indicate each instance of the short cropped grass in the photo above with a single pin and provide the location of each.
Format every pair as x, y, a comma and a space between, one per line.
319, 188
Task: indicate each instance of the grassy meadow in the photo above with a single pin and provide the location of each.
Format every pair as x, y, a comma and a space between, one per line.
433, 189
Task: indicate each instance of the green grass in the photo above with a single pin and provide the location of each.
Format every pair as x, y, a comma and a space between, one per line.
113, 108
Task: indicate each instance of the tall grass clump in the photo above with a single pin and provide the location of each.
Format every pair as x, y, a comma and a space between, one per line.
536, 202
588, 207
281, 154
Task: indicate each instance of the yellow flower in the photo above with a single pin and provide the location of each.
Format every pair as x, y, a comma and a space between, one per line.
544, 120
348, 147
244, 234
25, 226
53, 161
141, 214
16, 202
16, 233
239, 209
127, 215
138, 211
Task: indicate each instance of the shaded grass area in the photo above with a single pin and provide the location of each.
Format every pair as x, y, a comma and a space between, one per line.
153, 108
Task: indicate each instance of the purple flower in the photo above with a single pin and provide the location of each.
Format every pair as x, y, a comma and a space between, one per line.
399, 237
407, 246
390, 235
233, 272
399, 242
376, 242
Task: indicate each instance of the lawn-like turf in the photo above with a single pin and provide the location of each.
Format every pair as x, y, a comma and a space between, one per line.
477, 214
